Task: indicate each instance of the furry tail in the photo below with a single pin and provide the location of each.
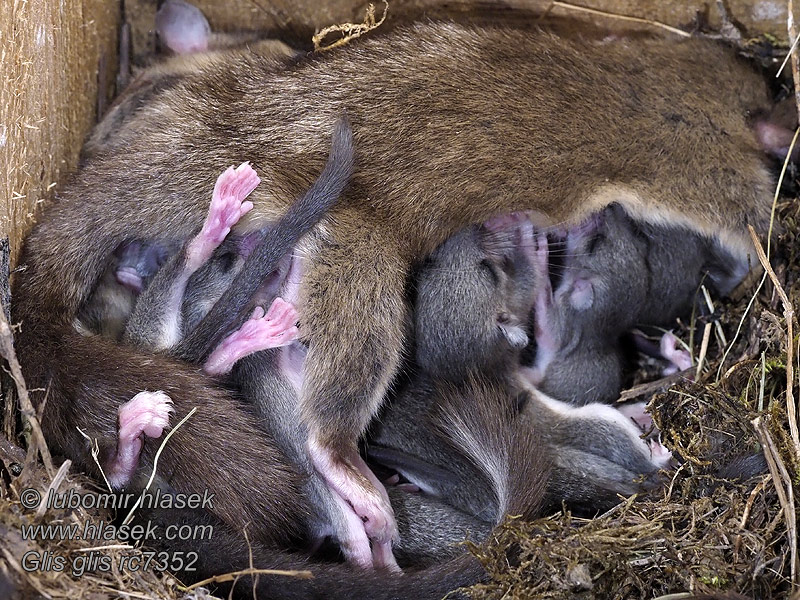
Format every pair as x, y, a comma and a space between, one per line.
299, 219
340, 582
227, 552
86, 379
478, 418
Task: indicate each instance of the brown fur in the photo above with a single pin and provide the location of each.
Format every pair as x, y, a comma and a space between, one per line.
474, 418
150, 83
220, 435
452, 126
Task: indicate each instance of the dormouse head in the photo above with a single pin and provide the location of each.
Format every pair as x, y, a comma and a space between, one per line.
506, 248
137, 261
474, 295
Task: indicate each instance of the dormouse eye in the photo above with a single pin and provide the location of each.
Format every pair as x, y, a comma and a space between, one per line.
493, 271
508, 264
228, 260
503, 318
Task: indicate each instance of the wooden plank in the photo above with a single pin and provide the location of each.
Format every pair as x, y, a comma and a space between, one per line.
53, 53
295, 21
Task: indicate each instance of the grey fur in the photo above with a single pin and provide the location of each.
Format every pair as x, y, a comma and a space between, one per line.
595, 454
436, 153
618, 274
474, 294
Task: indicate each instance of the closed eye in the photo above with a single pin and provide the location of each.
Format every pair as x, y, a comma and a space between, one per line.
493, 270
508, 265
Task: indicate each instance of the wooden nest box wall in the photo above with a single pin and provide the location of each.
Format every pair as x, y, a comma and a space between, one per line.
54, 55
58, 56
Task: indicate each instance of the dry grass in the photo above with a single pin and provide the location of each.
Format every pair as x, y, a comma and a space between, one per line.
77, 554
348, 31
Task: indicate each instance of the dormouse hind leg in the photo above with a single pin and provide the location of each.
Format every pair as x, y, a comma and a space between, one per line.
146, 414
679, 359
274, 329
354, 315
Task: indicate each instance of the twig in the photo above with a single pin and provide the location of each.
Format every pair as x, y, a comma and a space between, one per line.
650, 387
55, 483
740, 326
788, 54
762, 385
234, 574
748, 507
250, 560
155, 465
602, 13
95, 446
703, 351
349, 31
792, 28
104, 548
783, 487
723, 341
26, 407
788, 314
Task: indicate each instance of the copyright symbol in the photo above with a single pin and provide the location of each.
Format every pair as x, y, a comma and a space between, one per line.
30, 498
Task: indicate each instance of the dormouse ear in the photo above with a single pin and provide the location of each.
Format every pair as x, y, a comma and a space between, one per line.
581, 296
182, 27
515, 335
775, 129
501, 235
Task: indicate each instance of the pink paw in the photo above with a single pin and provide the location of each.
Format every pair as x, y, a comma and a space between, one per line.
275, 329
377, 517
680, 359
351, 536
350, 478
228, 205
636, 412
383, 557
659, 454
146, 414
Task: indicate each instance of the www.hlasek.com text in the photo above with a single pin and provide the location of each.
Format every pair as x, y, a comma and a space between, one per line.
102, 530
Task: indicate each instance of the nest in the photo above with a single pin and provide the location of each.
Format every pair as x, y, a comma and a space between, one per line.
65, 567
700, 534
